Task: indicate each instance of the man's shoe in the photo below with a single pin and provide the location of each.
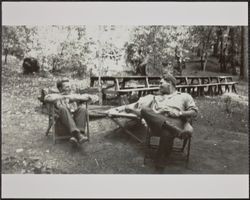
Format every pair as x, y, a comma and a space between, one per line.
81, 138
73, 141
184, 134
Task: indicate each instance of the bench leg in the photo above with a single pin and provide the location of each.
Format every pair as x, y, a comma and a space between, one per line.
234, 89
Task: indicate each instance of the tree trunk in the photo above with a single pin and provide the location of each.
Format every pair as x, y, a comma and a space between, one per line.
232, 51
216, 46
204, 61
217, 42
5, 56
221, 51
204, 55
244, 53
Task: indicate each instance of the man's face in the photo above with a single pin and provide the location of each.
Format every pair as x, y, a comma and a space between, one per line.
165, 86
66, 88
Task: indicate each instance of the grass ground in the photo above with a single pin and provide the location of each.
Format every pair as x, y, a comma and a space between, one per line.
219, 146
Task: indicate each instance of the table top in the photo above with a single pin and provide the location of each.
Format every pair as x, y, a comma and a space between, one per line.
152, 77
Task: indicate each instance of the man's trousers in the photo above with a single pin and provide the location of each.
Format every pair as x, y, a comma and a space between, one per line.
166, 128
72, 122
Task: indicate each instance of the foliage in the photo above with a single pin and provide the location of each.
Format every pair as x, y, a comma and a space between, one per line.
222, 42
71, 49
161, 41
16, 40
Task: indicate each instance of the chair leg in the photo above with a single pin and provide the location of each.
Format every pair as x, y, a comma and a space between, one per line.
53, 124
87, 121
188, 150
54, 136
184, 144
148, 146
49, 126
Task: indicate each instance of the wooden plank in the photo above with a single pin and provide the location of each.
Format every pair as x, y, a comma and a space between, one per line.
137, 89
117, 86
147, 83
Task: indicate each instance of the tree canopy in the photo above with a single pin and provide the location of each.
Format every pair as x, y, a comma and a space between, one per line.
107, 48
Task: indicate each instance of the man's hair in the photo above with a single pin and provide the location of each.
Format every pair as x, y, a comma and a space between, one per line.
169, 77
166, 62
60, 83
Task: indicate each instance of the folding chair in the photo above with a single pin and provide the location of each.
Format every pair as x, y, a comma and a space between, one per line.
58, 130
152, 143
115, 113
118, 112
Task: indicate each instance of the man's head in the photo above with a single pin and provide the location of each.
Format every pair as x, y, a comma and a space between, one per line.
167, 64
63, 86
167, 84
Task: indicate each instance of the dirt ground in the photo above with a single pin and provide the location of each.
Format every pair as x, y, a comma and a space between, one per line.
219, 144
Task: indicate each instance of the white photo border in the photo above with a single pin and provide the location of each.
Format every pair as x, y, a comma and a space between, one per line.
125, 13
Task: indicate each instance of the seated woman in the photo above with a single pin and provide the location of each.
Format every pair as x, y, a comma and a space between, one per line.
167, 114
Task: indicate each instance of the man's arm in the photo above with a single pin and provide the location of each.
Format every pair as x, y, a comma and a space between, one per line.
133, 108
82, 97
52, 97
188, 113
136, 107
77, 97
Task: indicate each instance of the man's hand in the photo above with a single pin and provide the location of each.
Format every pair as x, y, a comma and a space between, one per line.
159, 111
128, 109
174, 114
59, 104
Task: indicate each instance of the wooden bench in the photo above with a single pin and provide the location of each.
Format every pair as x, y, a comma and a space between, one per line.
227, 87
195, 85
212, 88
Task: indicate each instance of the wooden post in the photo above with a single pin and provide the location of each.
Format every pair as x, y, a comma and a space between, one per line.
99, 74
147, 83
100, 90
87, 113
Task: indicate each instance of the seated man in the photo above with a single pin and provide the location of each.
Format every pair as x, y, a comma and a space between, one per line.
167, 114
69, 108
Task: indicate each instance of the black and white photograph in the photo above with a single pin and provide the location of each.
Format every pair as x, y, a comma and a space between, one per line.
122, 98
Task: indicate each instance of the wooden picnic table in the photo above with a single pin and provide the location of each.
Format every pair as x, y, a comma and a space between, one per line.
194, 85
120, 81
191, 80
